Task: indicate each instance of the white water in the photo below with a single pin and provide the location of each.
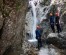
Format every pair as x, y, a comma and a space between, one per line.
39, 15
47, 10
48, 51
37, 18
34, 18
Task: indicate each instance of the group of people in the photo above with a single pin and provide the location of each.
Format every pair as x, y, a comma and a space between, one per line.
54, 21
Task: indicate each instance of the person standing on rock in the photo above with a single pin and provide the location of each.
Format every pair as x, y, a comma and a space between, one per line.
52, 22
38, 37
57, 18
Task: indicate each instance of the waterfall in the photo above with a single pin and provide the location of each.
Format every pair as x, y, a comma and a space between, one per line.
37, 14
47, 10
34, 18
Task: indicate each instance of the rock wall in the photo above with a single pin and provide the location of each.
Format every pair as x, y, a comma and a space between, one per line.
12, 26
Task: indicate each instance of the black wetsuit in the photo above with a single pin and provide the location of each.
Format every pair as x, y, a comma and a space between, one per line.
57, 24
52, 23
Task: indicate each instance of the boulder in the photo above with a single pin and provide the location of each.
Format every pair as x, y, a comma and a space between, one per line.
57, 40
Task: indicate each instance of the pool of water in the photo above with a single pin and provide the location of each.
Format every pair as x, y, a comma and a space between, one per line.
49, 51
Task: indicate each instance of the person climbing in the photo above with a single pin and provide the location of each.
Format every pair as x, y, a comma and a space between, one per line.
38, 37
52, 22
57, 18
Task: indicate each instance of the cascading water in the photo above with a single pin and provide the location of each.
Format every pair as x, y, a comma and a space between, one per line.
38, 15
34, 18
33, 9
47, 8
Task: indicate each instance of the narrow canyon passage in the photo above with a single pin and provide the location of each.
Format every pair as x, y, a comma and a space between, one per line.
19, 20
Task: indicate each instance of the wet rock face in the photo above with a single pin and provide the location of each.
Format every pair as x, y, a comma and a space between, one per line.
1, 20
64, 20
12, 21
57, 40
60, 43
63, 17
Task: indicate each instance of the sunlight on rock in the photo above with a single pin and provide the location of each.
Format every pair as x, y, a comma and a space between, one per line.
53, 35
